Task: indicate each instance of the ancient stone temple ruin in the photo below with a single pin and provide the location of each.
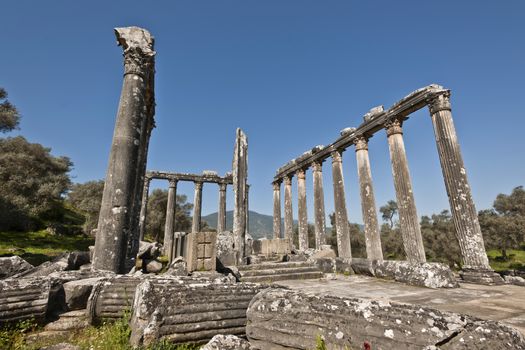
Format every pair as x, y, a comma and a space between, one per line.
229, 292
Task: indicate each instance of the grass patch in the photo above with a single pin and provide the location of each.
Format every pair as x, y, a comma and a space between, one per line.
40, 246
515, 261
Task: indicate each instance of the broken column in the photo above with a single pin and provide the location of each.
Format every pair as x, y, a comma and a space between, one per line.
276, 210
302, 215
408, 219
197, 208
476, 266
114, 225
320, 226
288, 210
221, 218
368, 202
169, 226
341, 215
240, 177
144, 209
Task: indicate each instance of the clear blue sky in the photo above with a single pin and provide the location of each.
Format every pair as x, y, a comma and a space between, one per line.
290, 73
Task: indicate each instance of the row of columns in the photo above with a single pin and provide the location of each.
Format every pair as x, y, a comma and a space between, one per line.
462, 206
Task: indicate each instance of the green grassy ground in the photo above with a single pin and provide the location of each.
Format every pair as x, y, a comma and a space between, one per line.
516, 260
37, 247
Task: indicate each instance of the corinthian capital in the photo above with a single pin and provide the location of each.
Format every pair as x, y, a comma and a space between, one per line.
137, 44
394, 126
438, 103
361, 143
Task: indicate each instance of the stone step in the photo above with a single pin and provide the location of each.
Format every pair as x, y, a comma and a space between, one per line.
279, 271
282, 277
266, 266
67, 321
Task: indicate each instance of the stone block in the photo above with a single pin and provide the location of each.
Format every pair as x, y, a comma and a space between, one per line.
227, 342
516, 280
23, 299
201, 249
76, 293
285, 319
430, 275
276, 246
13, 265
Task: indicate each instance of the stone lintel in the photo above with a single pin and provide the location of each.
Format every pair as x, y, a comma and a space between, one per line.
209, 178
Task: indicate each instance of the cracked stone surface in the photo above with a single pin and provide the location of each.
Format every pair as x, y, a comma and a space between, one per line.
505, 303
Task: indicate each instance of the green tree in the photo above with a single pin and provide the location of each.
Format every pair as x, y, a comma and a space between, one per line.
9, 116
357, 238
389, 211
87, 198
32, 182
440, 240
503, 226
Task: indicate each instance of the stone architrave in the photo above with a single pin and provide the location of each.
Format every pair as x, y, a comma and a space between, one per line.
221, 219
197, 208
320, 226
368, 202
302, 215
276, 210
288, 211
125, 163
144, 209
341, 214
408, 219
240, 178
464, 212
169, 226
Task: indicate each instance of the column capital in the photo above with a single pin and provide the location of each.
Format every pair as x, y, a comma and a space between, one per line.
317, 165
394, 126
337, 156
198, 185
276, 186
438, 103
222, 186
173, 183
361, 143
288, 180
137, 44
301, 174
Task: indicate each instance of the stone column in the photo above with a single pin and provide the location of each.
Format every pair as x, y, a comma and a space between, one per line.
320, 225
169, 226
475, 262
288, 210
247, 210
302, 215
197, 208
368, 202
144, 209
240, 182
123, 170
276, 209
221, 218
341, 215
408, 218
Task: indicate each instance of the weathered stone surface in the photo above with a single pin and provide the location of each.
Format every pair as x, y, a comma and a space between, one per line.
61, 346
288, 210
325, 252
76, 293
201, 252
178, 267
188, 311
65, 262
24, 298
225, 248
227, 342
431, 275
151, 266
149, 250
13, 265
68, 321
363, 267
481, 276
516, 280
240, 191
284, 319
341, 214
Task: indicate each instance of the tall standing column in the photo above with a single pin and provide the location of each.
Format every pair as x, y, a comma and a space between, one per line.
320, 225
247, 210
221, 218
197, 208
341, 214
301, 209
368, 202
240, 182
464, 214
144, 209
114, 225
169, 226
288, 211
276, 209
408, 219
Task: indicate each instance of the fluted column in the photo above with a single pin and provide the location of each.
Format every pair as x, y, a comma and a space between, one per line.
276, 210
302, 215
368, 202
247, 210
320, 225
408, 219
144, 209
221, 214
197, 208
464, 212
288, 210
170, 216
341, 214
119, 200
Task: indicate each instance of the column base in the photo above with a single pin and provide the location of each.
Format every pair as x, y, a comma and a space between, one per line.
481, 276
